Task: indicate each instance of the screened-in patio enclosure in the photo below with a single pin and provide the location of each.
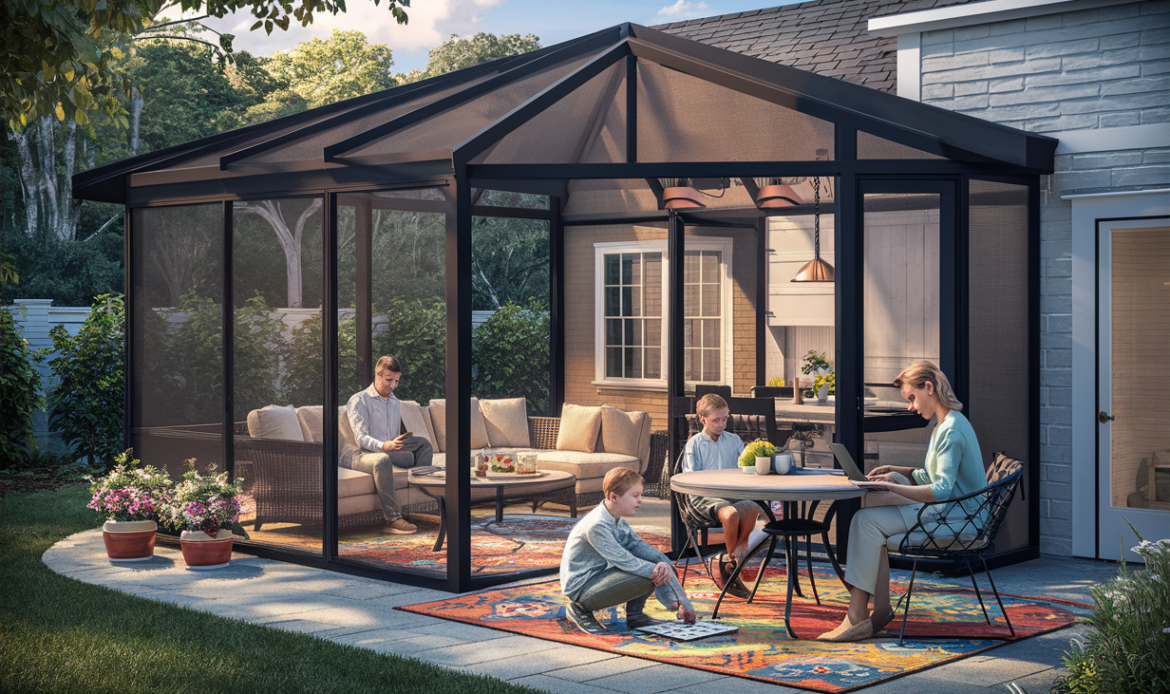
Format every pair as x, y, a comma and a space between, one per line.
666, 198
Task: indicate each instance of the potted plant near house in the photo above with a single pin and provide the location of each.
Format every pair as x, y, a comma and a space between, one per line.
757, 457
206, 509
132, 499
817, 365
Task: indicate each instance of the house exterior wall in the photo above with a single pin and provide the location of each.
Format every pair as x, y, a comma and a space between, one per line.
1103, 70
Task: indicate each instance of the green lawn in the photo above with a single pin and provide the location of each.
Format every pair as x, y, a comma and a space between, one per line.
60, 635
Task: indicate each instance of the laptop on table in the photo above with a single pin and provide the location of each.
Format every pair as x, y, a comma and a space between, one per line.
854, 473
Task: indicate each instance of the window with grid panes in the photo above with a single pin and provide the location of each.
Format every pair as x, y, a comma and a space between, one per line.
703, 317
632, 314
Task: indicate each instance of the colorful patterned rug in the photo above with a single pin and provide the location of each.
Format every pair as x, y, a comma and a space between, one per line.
762, 649
522, 542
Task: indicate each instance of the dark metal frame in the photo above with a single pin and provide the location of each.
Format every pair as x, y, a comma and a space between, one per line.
971, 148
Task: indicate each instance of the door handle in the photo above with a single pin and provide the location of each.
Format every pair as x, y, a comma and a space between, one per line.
1103, 417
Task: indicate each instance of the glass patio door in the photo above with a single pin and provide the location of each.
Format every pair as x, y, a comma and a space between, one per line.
1133, 384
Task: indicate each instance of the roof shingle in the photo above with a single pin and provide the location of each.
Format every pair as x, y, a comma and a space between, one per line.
828, 37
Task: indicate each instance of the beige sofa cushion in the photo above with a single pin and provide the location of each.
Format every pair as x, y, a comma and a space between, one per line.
426, 412
311, 421
506, 421
413, 420
275, 422
621, 431
479, 435
354, 483
585, 465
578, 429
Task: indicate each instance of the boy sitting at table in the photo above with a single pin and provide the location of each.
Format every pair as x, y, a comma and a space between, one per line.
606, 564
713, 449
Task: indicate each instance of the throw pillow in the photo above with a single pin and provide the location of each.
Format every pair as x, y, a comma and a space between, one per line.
578, 429
479, 436
412, 420
311, 418
346, 439
506, 421
621, 431
275, 422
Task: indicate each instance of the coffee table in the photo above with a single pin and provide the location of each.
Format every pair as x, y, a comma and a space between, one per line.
550, 485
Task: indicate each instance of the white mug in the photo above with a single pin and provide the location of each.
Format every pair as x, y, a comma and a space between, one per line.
763, 465
783, 463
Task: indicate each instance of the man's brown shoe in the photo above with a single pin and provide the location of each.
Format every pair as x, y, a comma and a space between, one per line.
400, 527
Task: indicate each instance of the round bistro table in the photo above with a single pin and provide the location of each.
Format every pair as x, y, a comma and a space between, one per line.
507, 485
791, 490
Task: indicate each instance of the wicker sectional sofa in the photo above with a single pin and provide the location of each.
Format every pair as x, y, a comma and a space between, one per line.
286, 462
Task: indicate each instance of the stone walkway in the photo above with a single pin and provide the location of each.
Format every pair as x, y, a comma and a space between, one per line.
360, 612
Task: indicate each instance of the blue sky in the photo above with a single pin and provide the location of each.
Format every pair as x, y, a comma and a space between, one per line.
432, 21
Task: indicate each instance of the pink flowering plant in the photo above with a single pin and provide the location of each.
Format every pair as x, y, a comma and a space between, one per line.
129, 492
205, 502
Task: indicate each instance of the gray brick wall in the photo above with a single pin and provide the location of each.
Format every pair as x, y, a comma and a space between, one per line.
1092, 69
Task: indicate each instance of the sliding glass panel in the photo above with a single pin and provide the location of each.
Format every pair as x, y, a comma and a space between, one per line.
278, 357
176, 268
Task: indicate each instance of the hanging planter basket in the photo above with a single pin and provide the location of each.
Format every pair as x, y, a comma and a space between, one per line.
129, 540
202, 551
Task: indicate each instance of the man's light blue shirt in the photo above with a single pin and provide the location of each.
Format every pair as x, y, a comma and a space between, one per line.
374, 419
705, 453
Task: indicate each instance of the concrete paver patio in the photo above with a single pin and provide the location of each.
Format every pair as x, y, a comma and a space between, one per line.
360, 612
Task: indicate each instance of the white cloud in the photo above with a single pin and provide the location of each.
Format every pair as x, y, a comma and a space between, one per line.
682, 8
431, 22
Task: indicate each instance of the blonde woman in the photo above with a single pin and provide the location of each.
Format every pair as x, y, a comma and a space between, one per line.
954, 467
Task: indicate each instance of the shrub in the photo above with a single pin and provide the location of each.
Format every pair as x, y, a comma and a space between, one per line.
19, 391
87, 398
1128, 649
417, 335
511, 353
303, 379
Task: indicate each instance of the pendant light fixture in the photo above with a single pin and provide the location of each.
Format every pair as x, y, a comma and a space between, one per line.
776, 193
816, 270
679, 194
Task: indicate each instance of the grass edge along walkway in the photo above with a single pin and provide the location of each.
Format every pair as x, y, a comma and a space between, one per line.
60, 635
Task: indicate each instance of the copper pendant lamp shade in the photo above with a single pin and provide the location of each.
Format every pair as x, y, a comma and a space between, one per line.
815, 270
682, 198
777, 196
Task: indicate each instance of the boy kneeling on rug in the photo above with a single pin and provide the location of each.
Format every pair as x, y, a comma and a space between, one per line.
606, 564
714, 449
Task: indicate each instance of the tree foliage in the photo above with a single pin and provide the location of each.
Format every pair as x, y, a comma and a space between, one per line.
511, 354
87, 398
341, 67
416, 333
458, 52
64, 57
20, 386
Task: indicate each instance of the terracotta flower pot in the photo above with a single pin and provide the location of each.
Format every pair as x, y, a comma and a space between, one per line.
202, 551
129, 540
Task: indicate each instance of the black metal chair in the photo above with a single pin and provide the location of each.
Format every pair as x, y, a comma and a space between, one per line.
772, 391
963, 532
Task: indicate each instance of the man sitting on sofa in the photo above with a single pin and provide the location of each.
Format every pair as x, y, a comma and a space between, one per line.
376, 418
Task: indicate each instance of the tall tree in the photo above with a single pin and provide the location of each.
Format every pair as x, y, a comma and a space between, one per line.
341, 67
63, 57
458, 52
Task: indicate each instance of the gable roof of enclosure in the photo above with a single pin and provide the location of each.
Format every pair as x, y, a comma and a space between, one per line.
618, 96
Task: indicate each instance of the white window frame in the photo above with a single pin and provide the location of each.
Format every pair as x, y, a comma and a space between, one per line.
693, 243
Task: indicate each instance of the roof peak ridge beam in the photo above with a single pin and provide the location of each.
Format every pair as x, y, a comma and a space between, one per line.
475, 145
560, 53
908, 122
389, 98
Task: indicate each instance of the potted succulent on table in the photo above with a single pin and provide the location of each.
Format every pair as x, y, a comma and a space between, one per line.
132, 499
206, 510
757, 457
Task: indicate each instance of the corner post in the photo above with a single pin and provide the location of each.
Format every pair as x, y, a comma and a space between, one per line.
457, 494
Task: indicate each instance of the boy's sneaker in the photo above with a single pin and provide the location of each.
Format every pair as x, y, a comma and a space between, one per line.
400, 527
640, 620
583, 619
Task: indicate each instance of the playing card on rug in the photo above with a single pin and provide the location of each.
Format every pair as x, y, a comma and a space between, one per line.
681, 631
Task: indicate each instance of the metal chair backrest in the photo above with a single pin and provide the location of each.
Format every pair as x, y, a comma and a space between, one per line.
720, 390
